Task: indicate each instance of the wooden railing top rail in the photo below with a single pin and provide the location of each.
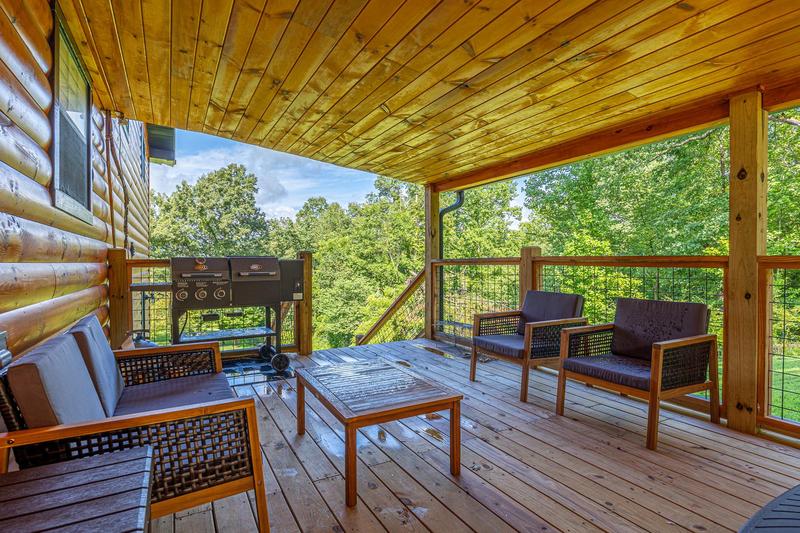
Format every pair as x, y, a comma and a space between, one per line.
655, 261
779, 261
686, 261
477, 261
144, 263
395, 305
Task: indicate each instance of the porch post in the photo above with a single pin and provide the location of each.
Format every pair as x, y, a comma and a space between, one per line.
304, 332
529, 273
748, 229
432, 239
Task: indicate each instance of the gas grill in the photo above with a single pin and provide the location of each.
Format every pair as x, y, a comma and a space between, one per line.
217, 283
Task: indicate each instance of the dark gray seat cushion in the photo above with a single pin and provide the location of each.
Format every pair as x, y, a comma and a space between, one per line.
541, 305
508, 345
629, 371
100, 362
52, 386
175, 392
640, 323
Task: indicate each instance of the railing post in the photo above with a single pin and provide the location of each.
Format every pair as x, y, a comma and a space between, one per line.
529, 271
432, 238
747, 223
119, 296
303, 330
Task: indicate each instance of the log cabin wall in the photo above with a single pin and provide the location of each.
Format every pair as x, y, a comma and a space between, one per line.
53, 266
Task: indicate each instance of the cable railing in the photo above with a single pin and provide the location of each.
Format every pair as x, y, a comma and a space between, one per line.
404, 318
779, 342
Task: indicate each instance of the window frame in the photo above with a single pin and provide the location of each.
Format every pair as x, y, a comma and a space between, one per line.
62, 200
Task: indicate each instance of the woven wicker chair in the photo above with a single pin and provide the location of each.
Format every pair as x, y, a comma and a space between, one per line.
528, 337
653, 350
201, 451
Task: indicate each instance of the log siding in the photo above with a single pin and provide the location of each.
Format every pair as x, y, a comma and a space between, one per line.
52, 265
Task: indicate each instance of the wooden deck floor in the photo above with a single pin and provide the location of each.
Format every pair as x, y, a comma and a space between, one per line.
523, 468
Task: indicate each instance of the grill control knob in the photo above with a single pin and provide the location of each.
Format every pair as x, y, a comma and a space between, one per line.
181, 295
201, 294
219, 294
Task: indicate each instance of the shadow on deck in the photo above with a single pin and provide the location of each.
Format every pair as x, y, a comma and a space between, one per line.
523, 468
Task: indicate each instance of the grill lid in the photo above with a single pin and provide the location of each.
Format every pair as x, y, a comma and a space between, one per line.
255, 269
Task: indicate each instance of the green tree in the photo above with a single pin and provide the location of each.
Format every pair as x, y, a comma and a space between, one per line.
217, 215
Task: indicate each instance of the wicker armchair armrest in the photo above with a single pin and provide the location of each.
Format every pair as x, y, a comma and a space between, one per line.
685, 362
499, 323
147, 365
194, 448
543, 339
585, 341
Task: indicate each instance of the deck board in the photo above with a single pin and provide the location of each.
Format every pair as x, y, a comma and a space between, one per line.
523, 468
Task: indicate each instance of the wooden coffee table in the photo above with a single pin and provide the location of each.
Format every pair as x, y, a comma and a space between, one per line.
364, 394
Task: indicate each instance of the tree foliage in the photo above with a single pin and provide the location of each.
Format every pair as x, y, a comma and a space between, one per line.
666, 198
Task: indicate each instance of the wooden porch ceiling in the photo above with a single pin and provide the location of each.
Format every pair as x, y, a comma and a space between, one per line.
428, 91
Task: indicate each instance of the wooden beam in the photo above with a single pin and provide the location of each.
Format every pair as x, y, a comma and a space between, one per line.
304, 331
706, 114
747, 223
432, 241
119, 297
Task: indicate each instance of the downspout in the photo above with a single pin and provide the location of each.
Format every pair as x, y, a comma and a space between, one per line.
442, 212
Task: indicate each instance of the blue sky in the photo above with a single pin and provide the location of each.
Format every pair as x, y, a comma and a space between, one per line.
286, 181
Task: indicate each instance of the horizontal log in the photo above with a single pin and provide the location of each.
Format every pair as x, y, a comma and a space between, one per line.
40, 12
30, 325
15, 54
23, 197
30, 32
23, 284
22, 109
22, 240
22, 153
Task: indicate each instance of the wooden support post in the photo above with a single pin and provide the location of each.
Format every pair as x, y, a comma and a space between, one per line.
528, 271
119, 296
303, 328
432, 240
747, 223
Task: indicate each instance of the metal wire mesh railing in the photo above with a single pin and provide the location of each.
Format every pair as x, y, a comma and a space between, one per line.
601, 283
151, 313
468, 287
407, 322
781, 382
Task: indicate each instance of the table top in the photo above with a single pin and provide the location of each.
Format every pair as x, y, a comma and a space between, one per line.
108, 492
781, 515
356, 390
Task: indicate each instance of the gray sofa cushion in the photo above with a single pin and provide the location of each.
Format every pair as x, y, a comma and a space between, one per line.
100, 361
508, 345
52, 385
175, 392
540, 305
628, 371
640, 323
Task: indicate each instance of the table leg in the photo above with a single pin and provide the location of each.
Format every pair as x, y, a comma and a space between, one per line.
455, 438
350, 482
301, 407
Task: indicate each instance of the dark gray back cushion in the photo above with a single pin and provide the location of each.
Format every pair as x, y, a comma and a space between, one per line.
541, 305
100, 361
640, 323
52, 385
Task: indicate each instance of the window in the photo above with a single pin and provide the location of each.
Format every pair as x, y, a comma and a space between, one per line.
72, 177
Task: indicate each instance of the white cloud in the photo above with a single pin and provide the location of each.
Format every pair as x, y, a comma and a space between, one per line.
285, 181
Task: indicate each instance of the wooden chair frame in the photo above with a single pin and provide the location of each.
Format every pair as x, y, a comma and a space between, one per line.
100, 435
530, 331
656, 393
